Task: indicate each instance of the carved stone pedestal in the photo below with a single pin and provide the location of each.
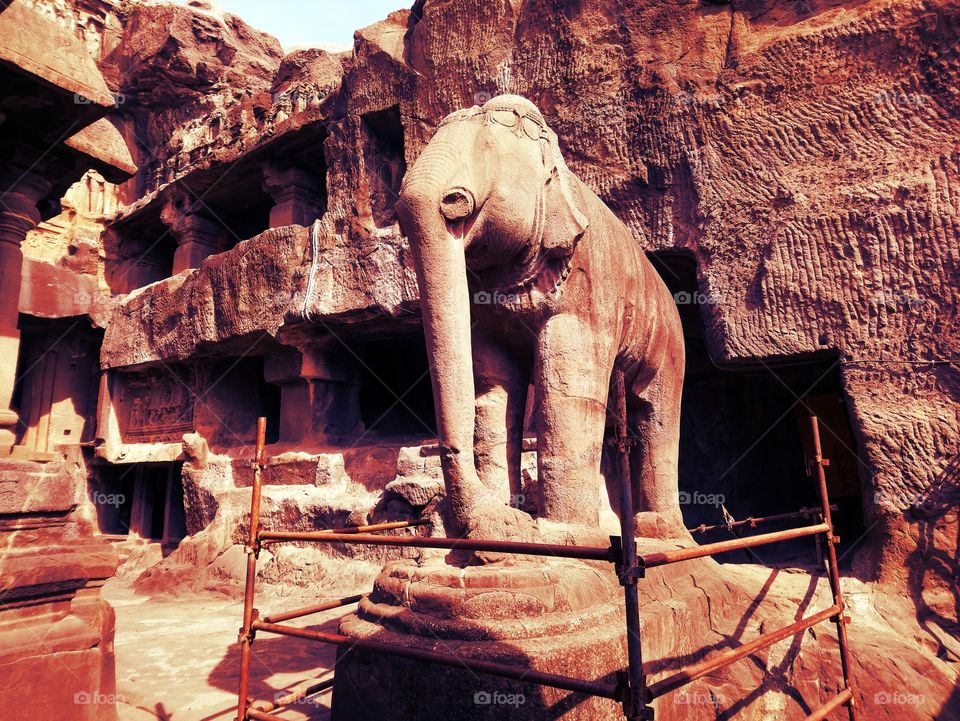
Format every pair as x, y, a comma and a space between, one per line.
556, 616
562, 617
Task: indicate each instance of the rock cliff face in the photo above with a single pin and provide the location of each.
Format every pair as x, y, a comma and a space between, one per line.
803, 154
793, 167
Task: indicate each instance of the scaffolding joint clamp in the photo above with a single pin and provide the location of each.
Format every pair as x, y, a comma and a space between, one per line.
615, 552
626, 575
632, 700
636, 572
246, 634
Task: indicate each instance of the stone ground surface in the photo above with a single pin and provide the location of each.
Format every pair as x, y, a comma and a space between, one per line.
177, 656
178, 659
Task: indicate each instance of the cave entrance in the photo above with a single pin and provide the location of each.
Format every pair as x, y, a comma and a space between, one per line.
139, 251
240, 208
140, 501
384, 158
234, 392
56, 389
396, 397
745, 435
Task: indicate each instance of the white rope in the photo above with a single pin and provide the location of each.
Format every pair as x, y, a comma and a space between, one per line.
314, 243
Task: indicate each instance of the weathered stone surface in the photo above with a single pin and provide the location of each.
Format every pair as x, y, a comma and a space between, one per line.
56, 291
810, 198
685, 608
516, 614
230, 296
803, 154
64, 62
417, 491
27, 487
72, 648
101, 140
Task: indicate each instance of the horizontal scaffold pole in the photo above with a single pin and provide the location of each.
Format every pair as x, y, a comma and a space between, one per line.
662, 558
388, 526
757, 520
830, 706
262, 716
309, 610
590, 553
295, 696
490, 668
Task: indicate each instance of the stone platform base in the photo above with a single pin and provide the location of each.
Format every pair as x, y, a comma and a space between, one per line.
555, 616
562, 617
567, 618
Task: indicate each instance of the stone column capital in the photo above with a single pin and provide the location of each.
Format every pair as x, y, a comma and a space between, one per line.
185, 223
20, 192
197, 236
281, 178
298, 195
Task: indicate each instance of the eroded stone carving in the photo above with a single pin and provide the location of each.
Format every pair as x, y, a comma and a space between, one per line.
157, 406
526, 275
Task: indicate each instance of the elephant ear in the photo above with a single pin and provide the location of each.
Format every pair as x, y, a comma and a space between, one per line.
564, 218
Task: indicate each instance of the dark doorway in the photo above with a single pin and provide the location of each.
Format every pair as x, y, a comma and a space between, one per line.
383, 155
745, 434
233, 395
396, 398
140, 500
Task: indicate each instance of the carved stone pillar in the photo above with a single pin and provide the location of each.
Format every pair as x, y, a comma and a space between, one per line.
18, 215
197, 236
297, 196
319, 399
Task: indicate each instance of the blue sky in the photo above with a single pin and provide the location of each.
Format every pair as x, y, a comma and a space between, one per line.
312, 22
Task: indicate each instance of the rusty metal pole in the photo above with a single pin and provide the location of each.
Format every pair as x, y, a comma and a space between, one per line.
635, 697
662, 558
245, 638
839, 619
588, 553
753, 521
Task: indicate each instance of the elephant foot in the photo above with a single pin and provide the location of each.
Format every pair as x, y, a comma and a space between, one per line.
662, 526
501, 523
563, 533
496, 523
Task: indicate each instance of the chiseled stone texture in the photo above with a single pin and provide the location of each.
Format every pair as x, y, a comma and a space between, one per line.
566, 618
231, 295
804, 153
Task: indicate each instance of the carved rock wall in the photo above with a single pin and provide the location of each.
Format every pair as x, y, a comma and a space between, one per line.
804, 154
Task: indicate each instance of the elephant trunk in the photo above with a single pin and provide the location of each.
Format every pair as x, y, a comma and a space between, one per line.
426, 208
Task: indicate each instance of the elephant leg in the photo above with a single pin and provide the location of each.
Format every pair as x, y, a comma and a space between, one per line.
654, 461
572, 377
501, 387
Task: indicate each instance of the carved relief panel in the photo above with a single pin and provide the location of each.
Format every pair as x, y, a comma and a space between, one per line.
155, 405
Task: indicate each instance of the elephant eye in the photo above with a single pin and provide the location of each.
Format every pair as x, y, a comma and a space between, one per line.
507, 118
531, 127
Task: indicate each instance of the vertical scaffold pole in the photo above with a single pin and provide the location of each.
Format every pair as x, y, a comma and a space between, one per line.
635, 697
245, 638
834, 572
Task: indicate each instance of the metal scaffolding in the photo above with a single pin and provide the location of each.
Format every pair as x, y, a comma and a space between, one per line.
632, 690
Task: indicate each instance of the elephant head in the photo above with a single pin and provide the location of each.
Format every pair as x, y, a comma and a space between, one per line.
489, 197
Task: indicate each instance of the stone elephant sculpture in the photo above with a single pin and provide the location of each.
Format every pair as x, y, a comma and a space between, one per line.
525, 273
